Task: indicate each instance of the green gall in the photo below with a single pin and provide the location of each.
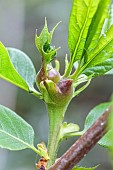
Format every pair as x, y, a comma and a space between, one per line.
60, 93
43, 44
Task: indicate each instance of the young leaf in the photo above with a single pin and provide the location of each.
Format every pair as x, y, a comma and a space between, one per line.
83, 168
15, 133
80, 20
43, 150
68, 130
95, 28
17, 68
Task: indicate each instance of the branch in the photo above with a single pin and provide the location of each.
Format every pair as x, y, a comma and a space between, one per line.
83, 145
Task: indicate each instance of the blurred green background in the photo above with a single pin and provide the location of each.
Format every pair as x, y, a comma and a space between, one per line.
19, 20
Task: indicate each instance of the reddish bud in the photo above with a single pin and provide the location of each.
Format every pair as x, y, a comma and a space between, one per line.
53, 75
65, 85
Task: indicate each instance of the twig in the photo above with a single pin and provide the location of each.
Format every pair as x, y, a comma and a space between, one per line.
83, 145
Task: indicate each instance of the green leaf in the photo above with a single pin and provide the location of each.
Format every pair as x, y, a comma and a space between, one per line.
102, 51
110, 72
68, 130
15, 133
7, 70
95, 28
94, 114
80, 20
109, 21
83, 168
23, 66
107, 140
17, 68
100, 69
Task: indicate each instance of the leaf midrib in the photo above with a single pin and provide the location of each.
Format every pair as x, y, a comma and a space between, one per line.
18, 139
81, 33
101, 49
96, 54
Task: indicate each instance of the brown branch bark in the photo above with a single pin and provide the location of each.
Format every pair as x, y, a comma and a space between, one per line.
83, 145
